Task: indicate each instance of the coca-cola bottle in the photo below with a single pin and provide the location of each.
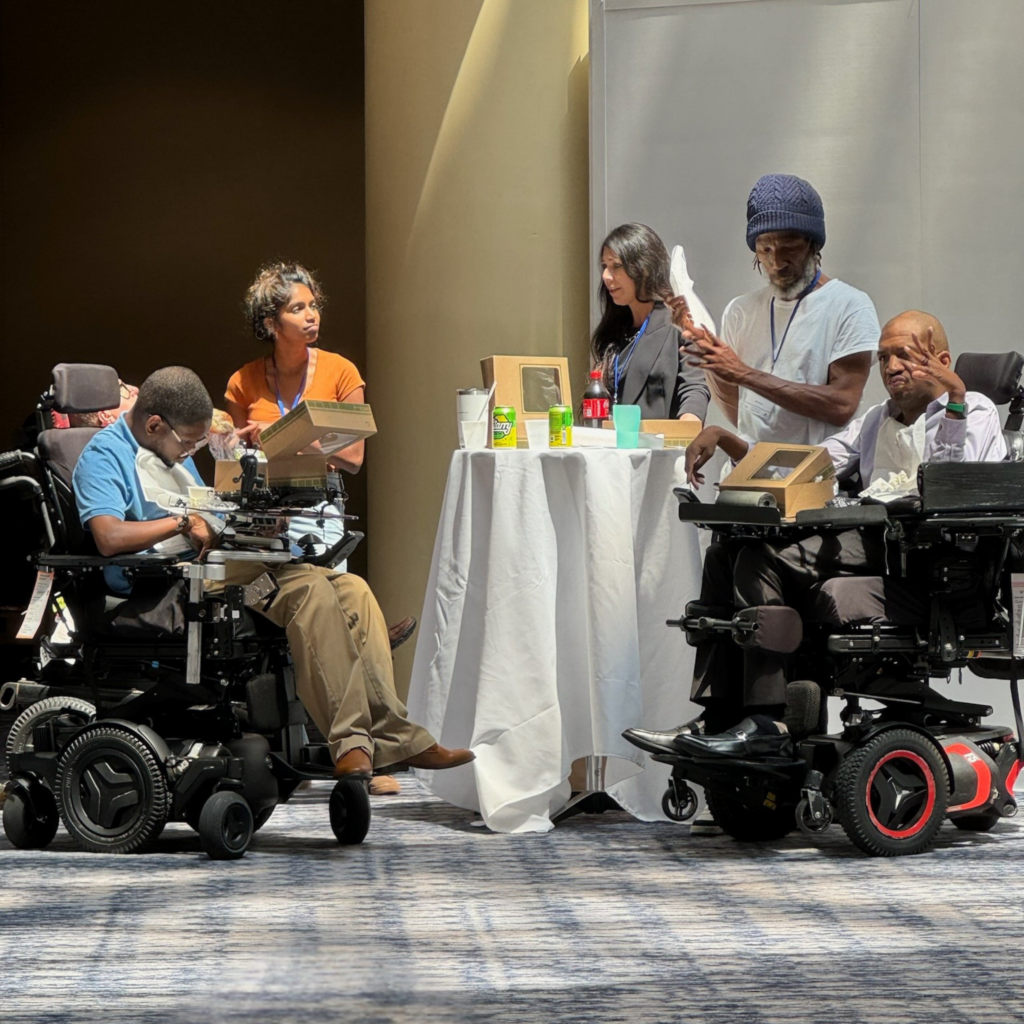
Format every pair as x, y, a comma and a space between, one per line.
596, 401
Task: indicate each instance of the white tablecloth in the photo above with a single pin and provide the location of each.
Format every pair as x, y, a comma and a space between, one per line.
543, 630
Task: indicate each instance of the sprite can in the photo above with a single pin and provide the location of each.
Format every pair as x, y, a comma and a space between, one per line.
559, 426
503, 427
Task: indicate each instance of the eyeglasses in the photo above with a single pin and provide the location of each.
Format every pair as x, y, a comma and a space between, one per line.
188, 447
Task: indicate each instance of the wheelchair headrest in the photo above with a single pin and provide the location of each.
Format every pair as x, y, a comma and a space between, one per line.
995, 374
85, 387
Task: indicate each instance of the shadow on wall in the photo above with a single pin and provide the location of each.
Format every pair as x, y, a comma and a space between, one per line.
155, 156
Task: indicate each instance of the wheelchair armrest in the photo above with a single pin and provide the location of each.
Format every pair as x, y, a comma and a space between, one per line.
707, 514
843, 517
100, 561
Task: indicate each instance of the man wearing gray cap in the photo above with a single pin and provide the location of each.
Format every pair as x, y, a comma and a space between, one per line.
794, 356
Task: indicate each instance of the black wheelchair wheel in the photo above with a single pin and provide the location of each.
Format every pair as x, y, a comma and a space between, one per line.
679, 802
225, 826
195, 809
30, 819
111, 791
750, 824
19, 739
977, 822
891, 794
350, 811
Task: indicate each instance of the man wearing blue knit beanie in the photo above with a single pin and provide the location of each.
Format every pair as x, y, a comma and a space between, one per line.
794, 356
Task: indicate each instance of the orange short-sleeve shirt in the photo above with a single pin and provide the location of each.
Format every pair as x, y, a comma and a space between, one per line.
333, 379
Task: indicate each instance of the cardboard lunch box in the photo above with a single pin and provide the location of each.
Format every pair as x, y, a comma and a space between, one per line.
797, 476
298, 444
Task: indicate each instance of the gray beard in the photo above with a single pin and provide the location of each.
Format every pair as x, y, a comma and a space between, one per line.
799, 285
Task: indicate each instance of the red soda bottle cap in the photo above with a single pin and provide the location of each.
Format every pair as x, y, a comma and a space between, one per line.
595, 374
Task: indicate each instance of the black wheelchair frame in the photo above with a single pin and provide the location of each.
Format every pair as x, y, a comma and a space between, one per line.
197, 721
894, 773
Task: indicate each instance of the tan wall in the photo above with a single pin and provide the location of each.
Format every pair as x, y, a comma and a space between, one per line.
477, 237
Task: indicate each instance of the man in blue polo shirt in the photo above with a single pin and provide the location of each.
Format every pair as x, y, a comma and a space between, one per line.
131, 486
121, 479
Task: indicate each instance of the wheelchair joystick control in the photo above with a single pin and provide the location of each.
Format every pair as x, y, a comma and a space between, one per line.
250, 474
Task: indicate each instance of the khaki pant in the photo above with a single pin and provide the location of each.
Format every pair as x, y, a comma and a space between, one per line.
342, 655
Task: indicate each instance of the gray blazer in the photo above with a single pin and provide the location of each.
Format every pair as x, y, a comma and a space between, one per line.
658, 379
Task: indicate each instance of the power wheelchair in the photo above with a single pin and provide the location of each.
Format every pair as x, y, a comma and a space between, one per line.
894, 772
174, 704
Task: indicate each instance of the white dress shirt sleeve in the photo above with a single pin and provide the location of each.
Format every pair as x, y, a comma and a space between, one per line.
977, 437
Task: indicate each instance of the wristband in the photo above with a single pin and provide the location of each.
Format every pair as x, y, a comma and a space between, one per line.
184, 525
956, 407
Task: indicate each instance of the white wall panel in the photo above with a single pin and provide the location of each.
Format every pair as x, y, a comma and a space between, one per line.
908, 118
699, 100
972, 169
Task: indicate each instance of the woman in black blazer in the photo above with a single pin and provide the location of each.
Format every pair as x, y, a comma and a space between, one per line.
635, 345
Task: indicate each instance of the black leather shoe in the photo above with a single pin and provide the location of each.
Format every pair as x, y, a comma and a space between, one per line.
663, 742
750, 738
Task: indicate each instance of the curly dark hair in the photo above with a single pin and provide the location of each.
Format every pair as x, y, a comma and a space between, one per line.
271, 290
645, 259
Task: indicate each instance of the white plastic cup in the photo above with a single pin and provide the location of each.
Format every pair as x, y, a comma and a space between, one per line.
471, 408
537, 433
473, 434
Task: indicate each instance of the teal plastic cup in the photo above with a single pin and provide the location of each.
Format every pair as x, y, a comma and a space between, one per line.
627, 426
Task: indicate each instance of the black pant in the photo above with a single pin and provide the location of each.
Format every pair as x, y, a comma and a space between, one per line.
743, 574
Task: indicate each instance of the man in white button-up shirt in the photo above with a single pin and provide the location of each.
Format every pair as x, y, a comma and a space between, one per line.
929, 417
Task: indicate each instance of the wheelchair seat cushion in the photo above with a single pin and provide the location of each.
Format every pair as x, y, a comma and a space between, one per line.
867, 600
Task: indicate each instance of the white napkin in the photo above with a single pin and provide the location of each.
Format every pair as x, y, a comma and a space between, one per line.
681, 283
897, 485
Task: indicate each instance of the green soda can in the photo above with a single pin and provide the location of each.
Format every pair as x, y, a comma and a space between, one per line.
559, 426
503, 427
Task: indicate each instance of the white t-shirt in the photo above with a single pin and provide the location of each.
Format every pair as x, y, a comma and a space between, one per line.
834, 321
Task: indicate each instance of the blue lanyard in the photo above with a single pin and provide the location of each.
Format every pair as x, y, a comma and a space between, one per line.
629, 355
302, 387
771, 316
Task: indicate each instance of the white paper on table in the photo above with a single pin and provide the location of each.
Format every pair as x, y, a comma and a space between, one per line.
679, 278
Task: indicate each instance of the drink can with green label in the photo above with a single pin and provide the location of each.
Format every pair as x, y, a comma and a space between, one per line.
559, 426
503, 427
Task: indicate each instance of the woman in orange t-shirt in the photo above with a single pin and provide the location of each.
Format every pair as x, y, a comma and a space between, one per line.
283, 306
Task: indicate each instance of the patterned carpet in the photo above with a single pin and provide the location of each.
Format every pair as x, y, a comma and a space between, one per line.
435, 919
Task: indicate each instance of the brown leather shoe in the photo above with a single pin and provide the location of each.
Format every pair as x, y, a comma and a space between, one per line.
435, 758
401, 631
356, 761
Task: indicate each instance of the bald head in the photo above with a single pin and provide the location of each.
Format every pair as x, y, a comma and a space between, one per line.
913, 321
914, 360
